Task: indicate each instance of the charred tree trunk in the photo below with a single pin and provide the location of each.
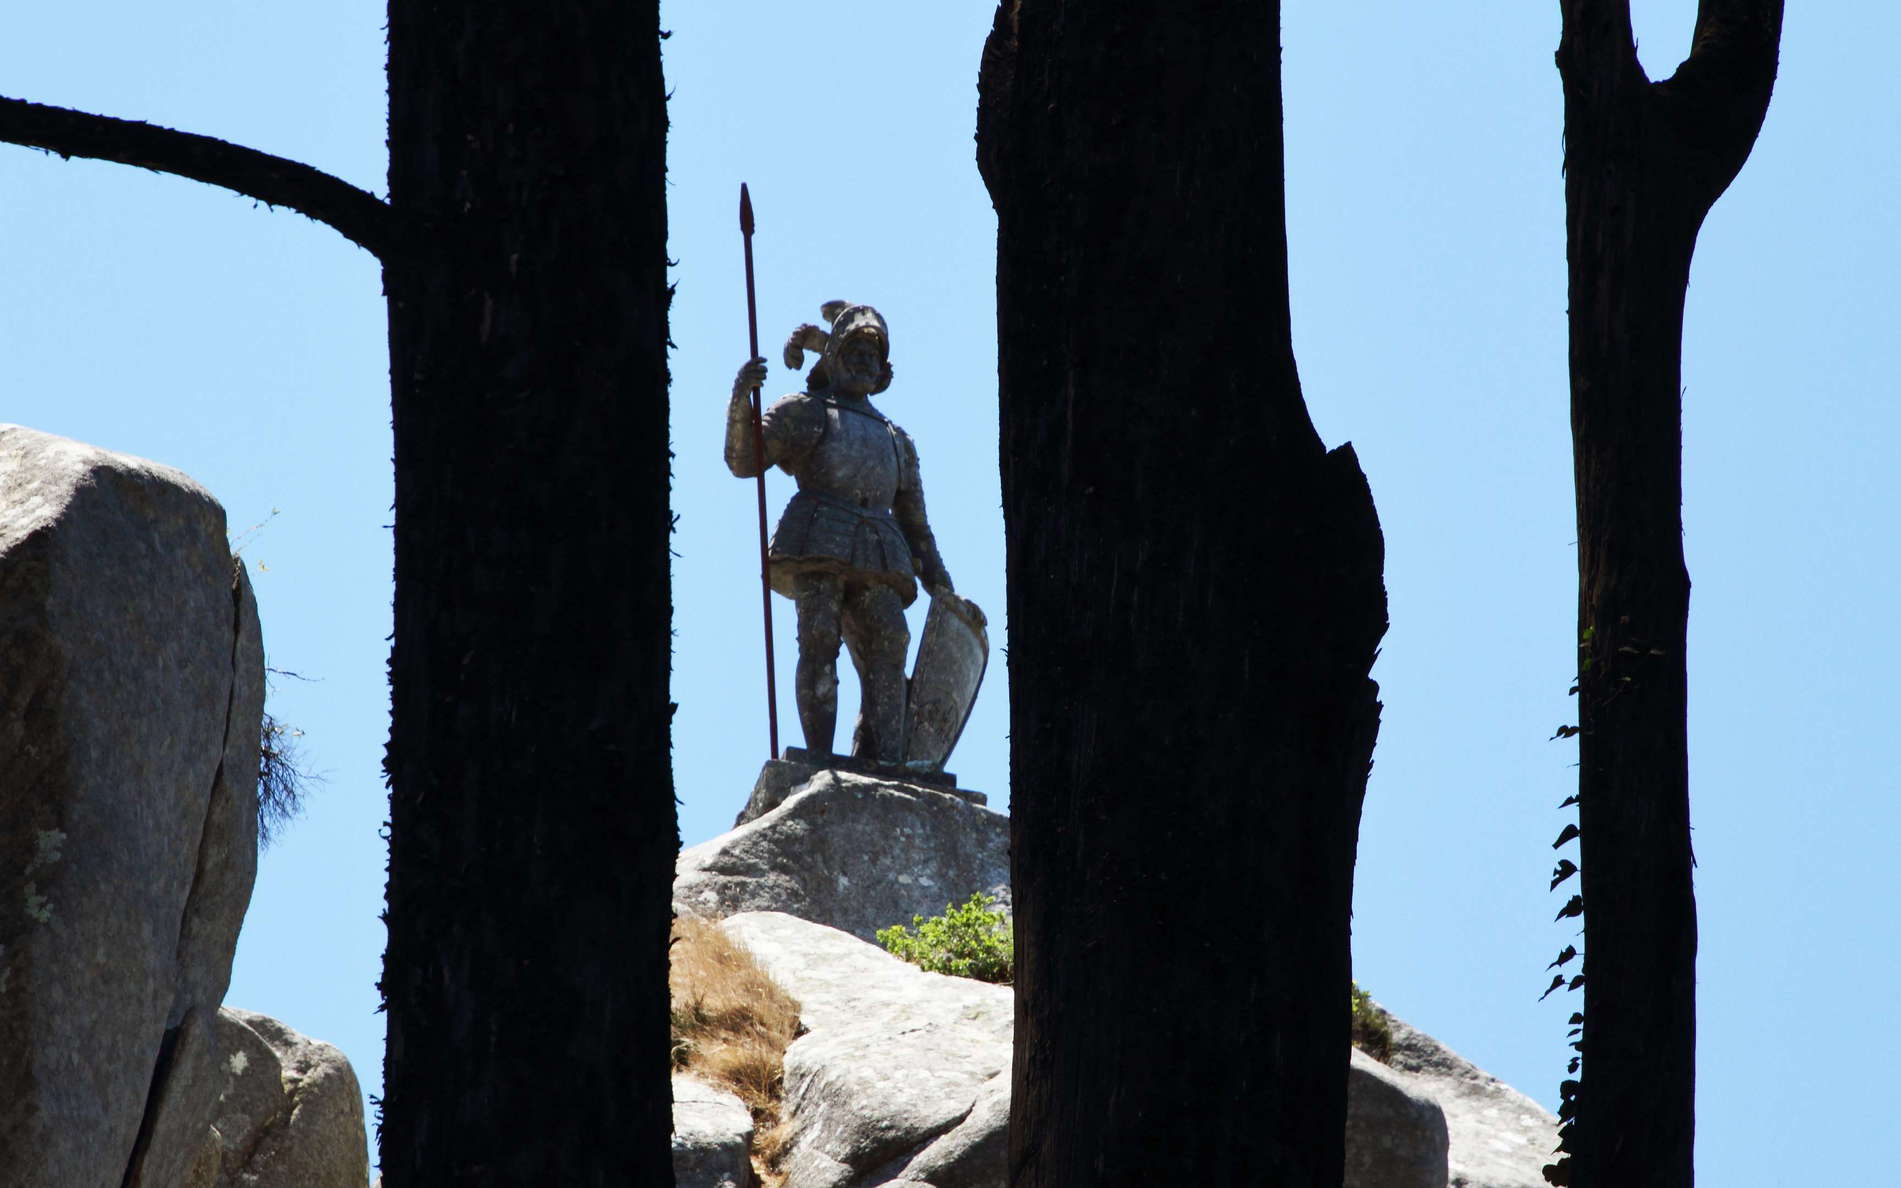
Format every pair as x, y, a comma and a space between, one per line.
532, 820
1195, 602
532, 826
1644, 162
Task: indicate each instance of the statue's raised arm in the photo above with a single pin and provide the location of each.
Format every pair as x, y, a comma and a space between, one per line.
787, 429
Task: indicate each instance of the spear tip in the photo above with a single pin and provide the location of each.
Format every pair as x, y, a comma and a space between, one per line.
745, 210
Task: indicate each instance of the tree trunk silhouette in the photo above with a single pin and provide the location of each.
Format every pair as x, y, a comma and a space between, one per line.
1195, 600
532, 825
532, 820
1644, 162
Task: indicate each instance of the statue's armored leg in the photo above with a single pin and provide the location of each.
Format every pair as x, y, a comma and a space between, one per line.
876, 633
816, 683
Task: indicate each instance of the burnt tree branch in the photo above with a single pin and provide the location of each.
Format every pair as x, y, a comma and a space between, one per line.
1745, 31
359, 216
1716, 101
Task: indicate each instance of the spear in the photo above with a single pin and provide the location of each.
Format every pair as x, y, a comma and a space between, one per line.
759, 463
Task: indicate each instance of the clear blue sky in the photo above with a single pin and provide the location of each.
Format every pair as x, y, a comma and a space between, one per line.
245, 346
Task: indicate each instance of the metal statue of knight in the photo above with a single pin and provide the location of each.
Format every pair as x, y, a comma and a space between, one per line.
853, 545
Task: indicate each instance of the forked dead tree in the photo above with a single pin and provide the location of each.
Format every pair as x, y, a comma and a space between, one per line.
1644, 162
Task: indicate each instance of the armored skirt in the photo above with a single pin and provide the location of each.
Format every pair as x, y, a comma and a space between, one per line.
821, 533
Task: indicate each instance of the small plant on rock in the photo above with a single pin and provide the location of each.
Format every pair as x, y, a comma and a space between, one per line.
972, 941
281, 779
1372, 1033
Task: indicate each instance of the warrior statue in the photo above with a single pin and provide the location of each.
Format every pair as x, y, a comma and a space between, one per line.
854, 543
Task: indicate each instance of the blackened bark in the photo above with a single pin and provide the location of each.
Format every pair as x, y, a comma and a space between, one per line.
532, 818
1195, 602
1644, 162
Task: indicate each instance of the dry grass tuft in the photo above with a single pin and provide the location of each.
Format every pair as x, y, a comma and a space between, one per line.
768, 1149
731, 1027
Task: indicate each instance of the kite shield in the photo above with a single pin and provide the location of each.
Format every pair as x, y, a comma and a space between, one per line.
951, 659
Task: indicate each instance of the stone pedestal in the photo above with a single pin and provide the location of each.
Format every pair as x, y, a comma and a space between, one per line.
779, 778
852, 852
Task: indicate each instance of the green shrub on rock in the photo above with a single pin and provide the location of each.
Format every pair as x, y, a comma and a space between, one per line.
1372, 1034
972, 941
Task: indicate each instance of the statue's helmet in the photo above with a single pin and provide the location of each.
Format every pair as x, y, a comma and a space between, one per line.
848, 321
851, 320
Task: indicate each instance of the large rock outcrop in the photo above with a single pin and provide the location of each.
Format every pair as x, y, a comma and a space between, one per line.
901, 1076
131, 690
289, 1115
853, 852
1396, 1134
712, 1136
1499, 1137
902, 1079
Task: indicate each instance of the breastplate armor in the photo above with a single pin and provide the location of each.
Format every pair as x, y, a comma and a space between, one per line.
857, 461
841, 519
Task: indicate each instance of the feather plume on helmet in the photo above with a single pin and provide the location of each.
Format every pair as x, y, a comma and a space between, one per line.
847, 321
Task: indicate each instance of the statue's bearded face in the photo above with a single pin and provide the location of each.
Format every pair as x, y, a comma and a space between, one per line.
858, 363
